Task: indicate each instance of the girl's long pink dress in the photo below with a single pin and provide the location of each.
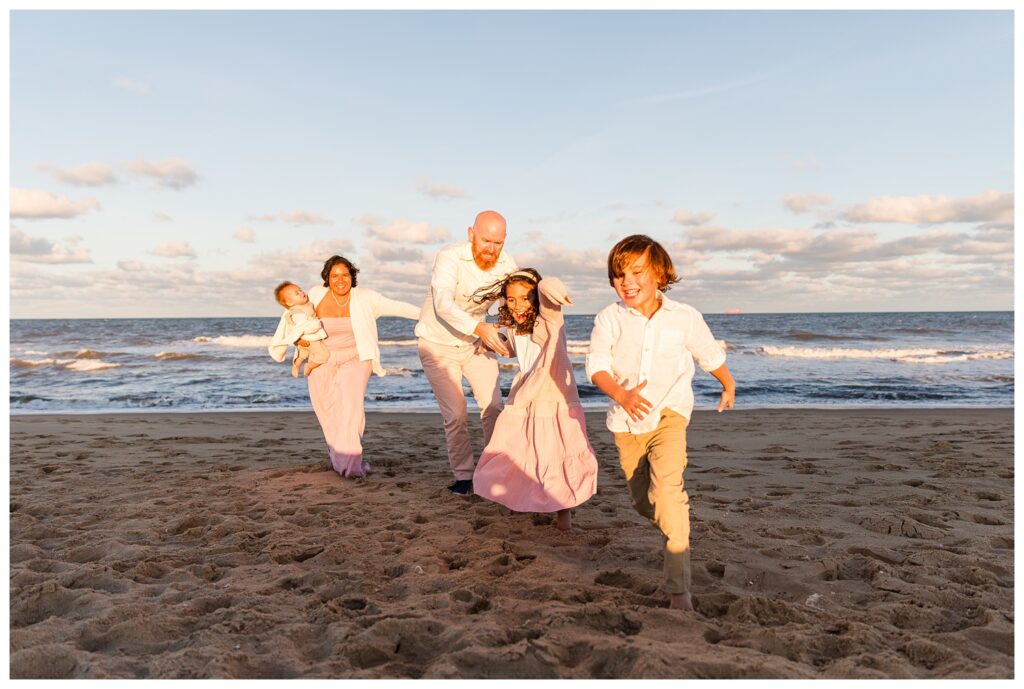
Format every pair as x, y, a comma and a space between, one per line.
336, 390
539, 458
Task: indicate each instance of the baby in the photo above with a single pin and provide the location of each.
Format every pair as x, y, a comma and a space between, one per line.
299, 322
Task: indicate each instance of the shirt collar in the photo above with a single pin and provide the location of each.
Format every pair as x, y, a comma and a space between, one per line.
666, 304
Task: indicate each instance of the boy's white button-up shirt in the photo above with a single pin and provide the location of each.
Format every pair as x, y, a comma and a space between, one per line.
449, 315
660, 349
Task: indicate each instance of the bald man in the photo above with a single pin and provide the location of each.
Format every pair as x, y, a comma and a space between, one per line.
450, 324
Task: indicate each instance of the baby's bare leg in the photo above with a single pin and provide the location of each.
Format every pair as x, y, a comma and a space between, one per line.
318, 354
301, 354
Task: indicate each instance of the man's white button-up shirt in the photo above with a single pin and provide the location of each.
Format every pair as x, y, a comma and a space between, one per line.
660, 349
449, 316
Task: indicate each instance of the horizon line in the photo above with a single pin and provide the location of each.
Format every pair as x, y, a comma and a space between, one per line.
705, 313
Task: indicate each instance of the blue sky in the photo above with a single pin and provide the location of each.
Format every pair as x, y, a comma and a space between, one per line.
181, 164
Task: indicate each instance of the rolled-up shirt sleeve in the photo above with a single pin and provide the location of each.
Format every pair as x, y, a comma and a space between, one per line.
706, 350
443, 282
602, 337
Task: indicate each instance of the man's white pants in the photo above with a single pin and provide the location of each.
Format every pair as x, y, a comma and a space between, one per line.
445, 366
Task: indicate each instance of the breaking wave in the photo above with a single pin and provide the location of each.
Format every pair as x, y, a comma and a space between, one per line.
910, 356
252, 341
179, 356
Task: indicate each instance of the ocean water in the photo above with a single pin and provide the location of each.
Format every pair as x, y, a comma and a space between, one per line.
779, 360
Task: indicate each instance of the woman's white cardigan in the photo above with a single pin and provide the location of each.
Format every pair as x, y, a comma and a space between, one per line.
365, 308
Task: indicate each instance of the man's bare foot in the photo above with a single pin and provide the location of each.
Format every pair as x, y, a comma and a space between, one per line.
563, 520
309, 367
680, 601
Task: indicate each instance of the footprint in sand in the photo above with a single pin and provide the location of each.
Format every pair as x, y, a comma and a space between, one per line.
897, 526
480, 523
411, 643
715, 568
455, 562
610, 619
926, 654
623, 580
470, 602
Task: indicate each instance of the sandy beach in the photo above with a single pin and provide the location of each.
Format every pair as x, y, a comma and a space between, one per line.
856, 544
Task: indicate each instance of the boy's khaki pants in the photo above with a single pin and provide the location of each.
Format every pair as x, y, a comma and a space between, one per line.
654, 463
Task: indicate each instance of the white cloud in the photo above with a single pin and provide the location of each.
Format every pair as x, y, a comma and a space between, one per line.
86, 175
284, 263
305, 218
989, 206
41, 250
35, 204
439, 190
131, 266
404, 230
768, 240
172, 173
296, 218
245, 234
395, 252
131, 85
802, 203
175, 249
688, 219
404, 280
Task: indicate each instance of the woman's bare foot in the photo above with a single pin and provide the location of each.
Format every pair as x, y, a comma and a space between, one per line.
680, 601
563, 520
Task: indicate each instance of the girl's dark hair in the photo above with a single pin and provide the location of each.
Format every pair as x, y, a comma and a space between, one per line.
496, 290
333, 261
627, 250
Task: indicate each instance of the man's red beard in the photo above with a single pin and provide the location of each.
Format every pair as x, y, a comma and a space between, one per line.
484, 262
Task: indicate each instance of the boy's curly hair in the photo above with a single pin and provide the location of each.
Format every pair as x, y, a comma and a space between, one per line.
496, 290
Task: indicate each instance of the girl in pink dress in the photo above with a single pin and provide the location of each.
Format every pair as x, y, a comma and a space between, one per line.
539, 458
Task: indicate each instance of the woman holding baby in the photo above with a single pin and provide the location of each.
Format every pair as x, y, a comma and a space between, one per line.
336, 389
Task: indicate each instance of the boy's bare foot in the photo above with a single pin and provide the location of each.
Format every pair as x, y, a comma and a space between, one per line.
309, 367
680, 601
295, 371
563, 520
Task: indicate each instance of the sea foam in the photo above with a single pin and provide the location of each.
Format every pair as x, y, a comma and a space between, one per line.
910, 356
248, 341
90, 365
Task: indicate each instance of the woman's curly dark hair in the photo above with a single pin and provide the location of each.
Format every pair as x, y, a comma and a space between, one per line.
333, 261
496, 290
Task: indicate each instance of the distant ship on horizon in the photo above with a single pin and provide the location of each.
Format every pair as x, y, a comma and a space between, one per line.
732, 312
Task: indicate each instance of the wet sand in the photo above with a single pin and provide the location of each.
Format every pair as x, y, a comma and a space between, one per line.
858, 544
